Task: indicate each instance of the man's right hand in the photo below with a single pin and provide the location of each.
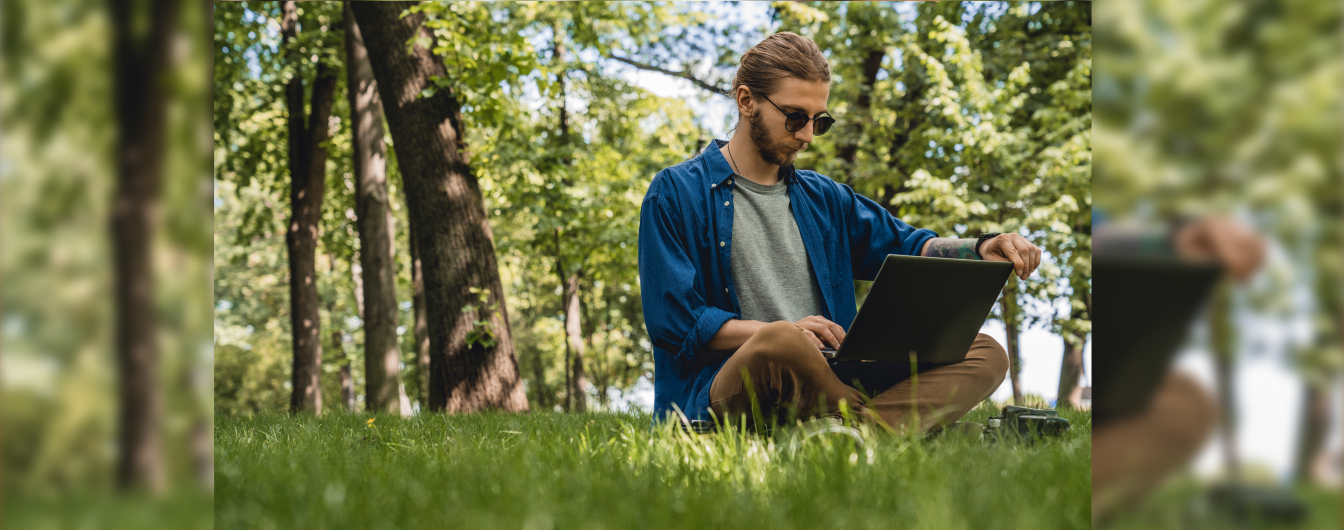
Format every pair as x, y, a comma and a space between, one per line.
822, 332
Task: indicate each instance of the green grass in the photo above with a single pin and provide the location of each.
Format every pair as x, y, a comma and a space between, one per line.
1183, 504
547, 470
187, 508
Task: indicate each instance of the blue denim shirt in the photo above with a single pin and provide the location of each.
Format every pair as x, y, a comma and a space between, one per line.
686, 282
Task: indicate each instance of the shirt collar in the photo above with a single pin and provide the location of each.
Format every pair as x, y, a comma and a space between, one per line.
720, 170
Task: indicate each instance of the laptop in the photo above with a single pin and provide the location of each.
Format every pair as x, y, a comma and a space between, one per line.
933, 307
1147, 307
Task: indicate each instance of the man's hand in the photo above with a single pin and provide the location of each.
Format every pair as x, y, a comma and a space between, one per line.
1240, 250
822, 332
1014, 248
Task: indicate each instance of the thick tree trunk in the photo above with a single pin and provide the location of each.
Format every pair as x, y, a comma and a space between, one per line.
141, 125
574, 336
421, 320
457, 250
1309, 461
1010, 325
307, 168
373, 209
1070, 393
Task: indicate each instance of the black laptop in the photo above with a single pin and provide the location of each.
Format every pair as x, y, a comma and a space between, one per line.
1146, 309
933, 307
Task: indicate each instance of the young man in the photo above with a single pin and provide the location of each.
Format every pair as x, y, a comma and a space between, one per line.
747, 265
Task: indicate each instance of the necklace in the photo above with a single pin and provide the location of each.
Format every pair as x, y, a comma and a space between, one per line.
730, 157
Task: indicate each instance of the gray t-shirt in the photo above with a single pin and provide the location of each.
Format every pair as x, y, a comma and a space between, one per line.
771, 272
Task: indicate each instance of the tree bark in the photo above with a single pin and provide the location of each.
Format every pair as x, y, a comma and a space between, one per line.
307, 168
456, 246
141, 128
1010, 325
564, 307
421, 320
574, 336
1070, 393
373, 217
1309, 461
849, 152
347, 379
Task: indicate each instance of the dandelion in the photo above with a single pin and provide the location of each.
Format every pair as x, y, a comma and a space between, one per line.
369, 423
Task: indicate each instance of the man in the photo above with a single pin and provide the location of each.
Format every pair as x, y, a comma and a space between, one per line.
1132, 456
747, 265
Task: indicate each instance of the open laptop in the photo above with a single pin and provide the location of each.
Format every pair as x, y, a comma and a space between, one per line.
1147, 307
930, 306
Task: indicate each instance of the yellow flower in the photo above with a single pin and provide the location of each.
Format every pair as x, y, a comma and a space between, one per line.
370, 422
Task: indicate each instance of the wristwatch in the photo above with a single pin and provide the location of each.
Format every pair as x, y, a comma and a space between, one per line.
983, 238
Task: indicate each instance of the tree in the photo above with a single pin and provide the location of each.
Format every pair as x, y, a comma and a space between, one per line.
307, 170
452, 233
141, 125
374, 217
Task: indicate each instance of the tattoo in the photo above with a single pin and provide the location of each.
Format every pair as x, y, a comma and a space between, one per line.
950, 247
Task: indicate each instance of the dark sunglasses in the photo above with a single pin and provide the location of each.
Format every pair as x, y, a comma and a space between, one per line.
793, 121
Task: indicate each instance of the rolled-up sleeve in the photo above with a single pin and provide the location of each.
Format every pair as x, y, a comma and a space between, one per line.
874, 233
676, 315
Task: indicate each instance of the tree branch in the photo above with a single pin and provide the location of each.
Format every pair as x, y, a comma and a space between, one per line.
684, 75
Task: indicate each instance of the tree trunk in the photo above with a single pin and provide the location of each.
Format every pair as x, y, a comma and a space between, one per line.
347, 379
307, 169
1070, 393
1010, 325
1222, 338
421, 320
1309, 461
564, 307
141, 126
373, 216
457, 250
872, 62
574, 336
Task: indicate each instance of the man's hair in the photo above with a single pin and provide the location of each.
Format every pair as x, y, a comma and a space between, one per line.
779, 56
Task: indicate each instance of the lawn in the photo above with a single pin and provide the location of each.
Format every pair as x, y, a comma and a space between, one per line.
606, 470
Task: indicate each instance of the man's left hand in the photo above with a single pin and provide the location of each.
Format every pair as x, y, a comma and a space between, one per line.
1013, 248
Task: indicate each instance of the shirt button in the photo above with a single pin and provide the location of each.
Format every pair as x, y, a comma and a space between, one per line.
725, 203
721, 243
712, 185
725, 289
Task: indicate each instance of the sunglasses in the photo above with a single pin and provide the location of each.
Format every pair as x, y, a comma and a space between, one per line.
793, 121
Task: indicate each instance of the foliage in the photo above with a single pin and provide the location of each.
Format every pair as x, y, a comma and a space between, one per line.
545, 470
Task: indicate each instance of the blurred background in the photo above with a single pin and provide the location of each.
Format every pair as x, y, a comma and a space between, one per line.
1231, 109
105, 302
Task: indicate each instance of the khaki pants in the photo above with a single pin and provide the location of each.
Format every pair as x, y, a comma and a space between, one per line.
790, 378
1132, 456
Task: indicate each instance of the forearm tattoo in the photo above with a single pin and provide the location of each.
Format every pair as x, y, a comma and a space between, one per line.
950, 247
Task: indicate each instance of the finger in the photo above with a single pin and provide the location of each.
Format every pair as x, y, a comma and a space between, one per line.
813, 337
1024, 248
1034, 254
838, 331
1226, 249
824, 333
1011, 253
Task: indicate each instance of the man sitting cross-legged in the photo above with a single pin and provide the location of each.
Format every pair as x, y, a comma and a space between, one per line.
747, 264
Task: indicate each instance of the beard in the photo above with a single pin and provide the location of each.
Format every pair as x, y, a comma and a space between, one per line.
776, 153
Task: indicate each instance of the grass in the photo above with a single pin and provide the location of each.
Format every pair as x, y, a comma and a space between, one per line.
603, 470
